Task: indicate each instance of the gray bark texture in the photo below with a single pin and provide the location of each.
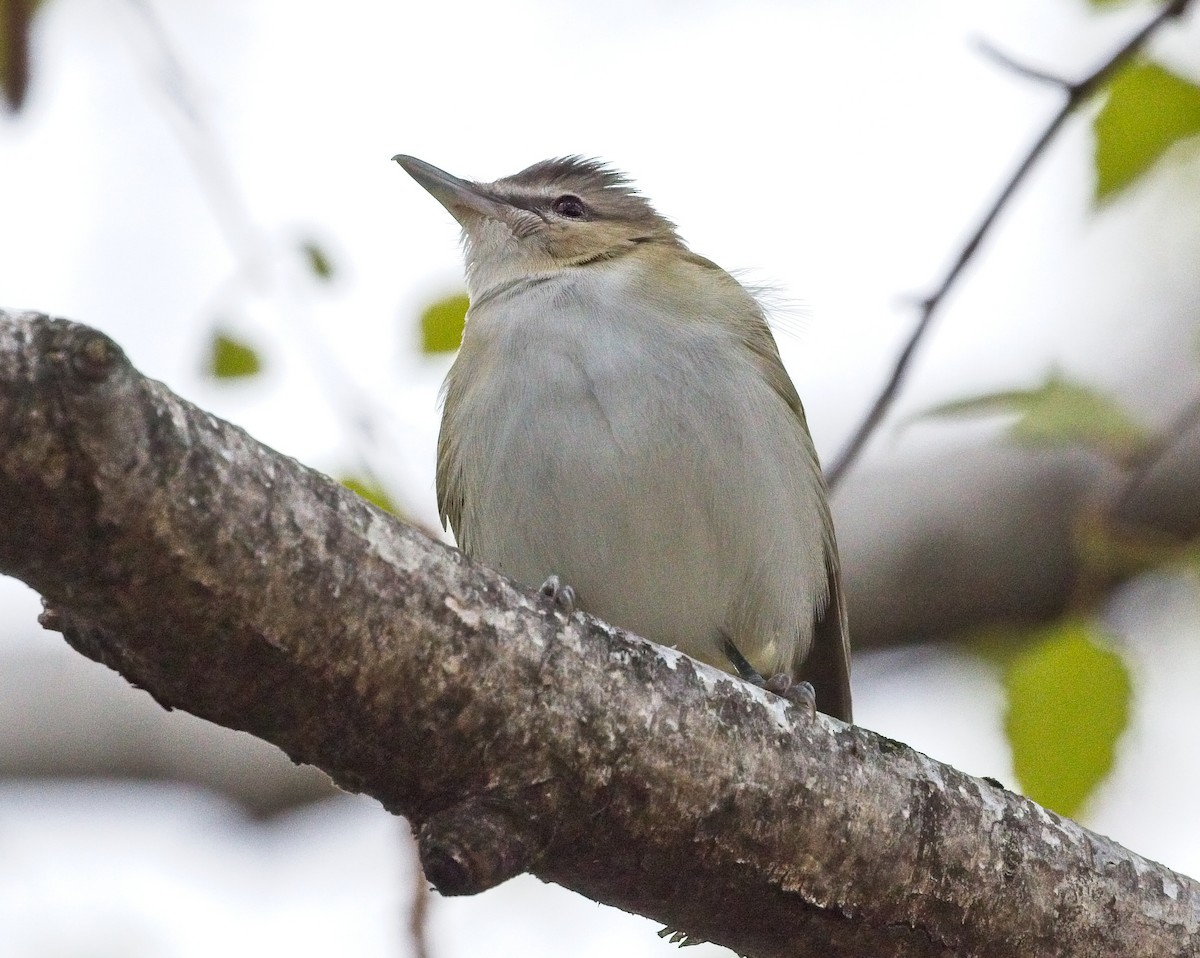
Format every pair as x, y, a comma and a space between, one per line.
233, 582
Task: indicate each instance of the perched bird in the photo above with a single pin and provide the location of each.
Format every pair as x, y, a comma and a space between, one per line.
618, 419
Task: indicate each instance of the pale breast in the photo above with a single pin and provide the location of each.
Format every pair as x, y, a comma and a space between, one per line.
641, 459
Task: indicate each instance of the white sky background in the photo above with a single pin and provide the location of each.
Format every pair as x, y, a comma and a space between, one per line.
839, 150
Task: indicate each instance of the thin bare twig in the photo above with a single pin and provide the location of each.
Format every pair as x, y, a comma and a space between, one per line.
418, 912
993, 52
256, 251
1075, 95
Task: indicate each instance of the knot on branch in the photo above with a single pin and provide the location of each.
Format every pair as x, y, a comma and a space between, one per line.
76, 355
51, 618
472, 847
93, 355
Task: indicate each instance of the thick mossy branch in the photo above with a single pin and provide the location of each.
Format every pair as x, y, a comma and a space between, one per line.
230, 581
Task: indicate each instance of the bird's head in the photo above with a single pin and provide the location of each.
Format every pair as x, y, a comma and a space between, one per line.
554, 215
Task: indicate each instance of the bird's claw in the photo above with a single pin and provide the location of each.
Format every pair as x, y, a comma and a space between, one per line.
562, 595
798, 693
781, 684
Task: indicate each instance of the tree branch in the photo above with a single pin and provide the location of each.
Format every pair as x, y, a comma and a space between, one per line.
230, 581
1075, 95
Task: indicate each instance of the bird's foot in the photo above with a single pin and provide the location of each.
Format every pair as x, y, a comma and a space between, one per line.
798, 693
682, 939
561, 594
781, 684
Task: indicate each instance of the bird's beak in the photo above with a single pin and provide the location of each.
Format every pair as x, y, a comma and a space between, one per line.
462, 198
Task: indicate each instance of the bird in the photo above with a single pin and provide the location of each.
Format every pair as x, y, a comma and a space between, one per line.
618, 426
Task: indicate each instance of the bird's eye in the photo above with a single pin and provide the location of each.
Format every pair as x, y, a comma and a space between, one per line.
572, 207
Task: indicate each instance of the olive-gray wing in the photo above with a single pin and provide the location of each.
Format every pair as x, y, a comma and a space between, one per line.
827, 666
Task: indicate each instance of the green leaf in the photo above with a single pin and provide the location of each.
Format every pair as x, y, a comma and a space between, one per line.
442, 324
1148, 110
372, 492
1068, 703
1059, 411
318, 260
230, 358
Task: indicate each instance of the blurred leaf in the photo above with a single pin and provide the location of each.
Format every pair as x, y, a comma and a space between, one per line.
318, 261
232, 359
16, 16
372, 492
1112, 552
1058, 411
1148, 110
442, 324
998, 645
1106, 4
1068, 703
